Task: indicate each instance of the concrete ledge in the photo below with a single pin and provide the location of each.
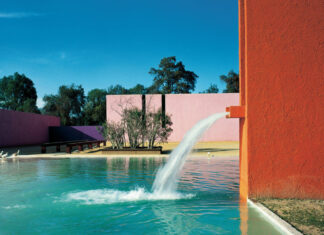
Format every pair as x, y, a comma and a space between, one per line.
283, 226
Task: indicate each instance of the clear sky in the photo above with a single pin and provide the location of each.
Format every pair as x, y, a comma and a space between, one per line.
101, 43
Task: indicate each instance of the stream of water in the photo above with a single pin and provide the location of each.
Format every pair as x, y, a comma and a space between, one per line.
167, 177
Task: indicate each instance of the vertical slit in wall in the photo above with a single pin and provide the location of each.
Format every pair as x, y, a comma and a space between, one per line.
163, 110
143, 110
143, 117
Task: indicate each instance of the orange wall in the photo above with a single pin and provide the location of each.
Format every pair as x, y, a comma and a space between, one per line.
282, 81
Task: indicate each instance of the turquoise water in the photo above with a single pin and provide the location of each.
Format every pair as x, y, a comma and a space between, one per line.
90, 196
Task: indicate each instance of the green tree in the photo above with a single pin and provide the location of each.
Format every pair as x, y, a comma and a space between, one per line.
67, 104
95, 107
120, 90
138, 89
172, 77
232, 82
17, 92
211, 89
116, 90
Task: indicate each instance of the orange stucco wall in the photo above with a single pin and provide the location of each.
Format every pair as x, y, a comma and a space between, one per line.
282, 89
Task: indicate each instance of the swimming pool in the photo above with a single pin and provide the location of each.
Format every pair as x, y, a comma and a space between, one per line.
113, 195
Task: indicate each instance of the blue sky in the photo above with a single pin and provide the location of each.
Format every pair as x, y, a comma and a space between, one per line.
102, 43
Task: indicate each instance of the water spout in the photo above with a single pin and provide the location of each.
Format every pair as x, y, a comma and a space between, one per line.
166, 179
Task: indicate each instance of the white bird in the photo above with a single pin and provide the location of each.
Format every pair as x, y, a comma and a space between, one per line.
16, 154
4, 156
1, 153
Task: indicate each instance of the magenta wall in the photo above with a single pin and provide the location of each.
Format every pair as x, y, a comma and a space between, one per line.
19, 128
185, 111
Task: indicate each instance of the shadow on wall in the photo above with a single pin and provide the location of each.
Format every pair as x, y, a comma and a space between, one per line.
69, 133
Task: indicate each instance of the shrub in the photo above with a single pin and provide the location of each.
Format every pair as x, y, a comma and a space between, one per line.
132, 120
137, 129
155, 131
114, 133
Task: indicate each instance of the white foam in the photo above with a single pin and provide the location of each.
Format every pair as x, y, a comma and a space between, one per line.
166, 180
109, 196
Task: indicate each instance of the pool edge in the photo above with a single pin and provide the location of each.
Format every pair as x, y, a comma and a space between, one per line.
283, 225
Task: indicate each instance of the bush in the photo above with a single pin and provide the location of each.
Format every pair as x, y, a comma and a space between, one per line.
155, 131
114, 133
137, 129
132, 120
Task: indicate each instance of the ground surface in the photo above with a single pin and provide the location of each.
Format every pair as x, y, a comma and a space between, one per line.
223, 148
305, 215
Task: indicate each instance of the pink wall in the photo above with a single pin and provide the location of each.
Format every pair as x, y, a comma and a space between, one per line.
185, 110
19, 128
115, 103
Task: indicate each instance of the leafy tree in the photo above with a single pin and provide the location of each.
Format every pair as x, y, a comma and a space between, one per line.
138, 89
172, 77
50, 106
212, 89
116, 90
232, 82
17, 92
153, 89
95, 107
120, 90
67, 104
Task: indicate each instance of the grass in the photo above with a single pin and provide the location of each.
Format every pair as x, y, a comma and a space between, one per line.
306, 215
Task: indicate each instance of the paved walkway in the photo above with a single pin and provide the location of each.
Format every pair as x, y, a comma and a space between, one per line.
223, 148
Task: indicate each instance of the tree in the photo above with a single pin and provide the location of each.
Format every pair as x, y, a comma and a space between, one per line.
17, 92
172, 77
116, 90
67, 104
212, 89
120, 90
95, 107
232, 82
138, 89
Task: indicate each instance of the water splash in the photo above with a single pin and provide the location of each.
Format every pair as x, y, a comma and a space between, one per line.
109, 196
166, 180
167, 176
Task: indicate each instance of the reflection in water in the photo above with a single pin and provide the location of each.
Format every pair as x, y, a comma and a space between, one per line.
178, 219
34, 192
173, 220
244, 217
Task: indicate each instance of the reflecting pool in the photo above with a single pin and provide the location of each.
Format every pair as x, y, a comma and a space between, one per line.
113, 195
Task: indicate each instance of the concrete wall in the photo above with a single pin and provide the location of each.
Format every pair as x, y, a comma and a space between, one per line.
282, 67
68, 133
185, 110
19, 128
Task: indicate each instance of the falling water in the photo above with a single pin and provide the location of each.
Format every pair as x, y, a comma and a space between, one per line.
167, 176
166, 180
